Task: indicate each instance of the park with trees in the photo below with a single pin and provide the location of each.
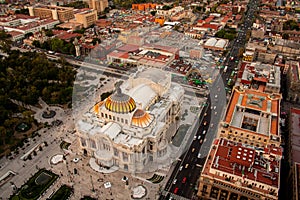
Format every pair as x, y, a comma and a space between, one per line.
25, 77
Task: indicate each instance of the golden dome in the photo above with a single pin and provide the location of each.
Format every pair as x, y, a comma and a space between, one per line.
141, 118
120, 103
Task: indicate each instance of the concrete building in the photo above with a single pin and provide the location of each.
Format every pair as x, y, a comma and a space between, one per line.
293, 76
169, 13
252, 118
34, 26
130, 130
294, 153
262, 77
62, 14
147, 55
86, 17
98, 5
237, 171
144, 6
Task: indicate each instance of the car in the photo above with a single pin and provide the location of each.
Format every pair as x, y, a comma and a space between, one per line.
199, 155
211, 125
215, 107
193, 149
201, 141
184, 180
204, 132
205, 123
216, 113
175, 190
174, 181
180, 168
216, 96
195, 137
205, 114
199, 137
186, 165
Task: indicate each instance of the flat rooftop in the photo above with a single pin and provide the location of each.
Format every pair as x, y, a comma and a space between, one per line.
257, 164
254, 111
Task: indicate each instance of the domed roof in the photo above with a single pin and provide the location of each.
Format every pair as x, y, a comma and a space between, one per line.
120, 102
141, 118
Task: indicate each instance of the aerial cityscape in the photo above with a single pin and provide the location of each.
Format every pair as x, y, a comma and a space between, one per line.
147, 99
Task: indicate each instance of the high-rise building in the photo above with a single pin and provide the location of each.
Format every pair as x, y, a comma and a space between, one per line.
98, 5
86, 17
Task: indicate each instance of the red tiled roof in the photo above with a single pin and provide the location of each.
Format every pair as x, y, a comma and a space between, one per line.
210, 26
14, 33
254, 164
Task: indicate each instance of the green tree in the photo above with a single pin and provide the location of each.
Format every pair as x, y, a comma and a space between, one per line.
36, 43
49, 33
285, 36
57, 44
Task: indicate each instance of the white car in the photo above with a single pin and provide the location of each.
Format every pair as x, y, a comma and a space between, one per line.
199, 155
204, 132
180, 168
175, 180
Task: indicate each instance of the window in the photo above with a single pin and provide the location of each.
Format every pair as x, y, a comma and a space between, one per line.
125, 156
83, 142
116, 153
122, 120
102, 115
118, 119
105, 115
93, 144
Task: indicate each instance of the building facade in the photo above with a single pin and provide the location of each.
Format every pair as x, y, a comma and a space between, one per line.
98, 5
130, 130
86, 18
62, 14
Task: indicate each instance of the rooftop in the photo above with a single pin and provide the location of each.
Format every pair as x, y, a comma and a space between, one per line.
248, 162
246, 108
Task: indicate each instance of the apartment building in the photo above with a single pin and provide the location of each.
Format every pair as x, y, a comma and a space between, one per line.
86, 17
62, 14
98, 5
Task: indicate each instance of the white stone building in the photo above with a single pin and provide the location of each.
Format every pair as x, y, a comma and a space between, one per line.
133, 127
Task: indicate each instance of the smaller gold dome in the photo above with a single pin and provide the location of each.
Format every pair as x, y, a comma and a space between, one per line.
141, 119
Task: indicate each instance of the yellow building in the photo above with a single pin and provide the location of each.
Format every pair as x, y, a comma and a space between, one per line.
52, 12
160, 21
98, 5
87, 17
